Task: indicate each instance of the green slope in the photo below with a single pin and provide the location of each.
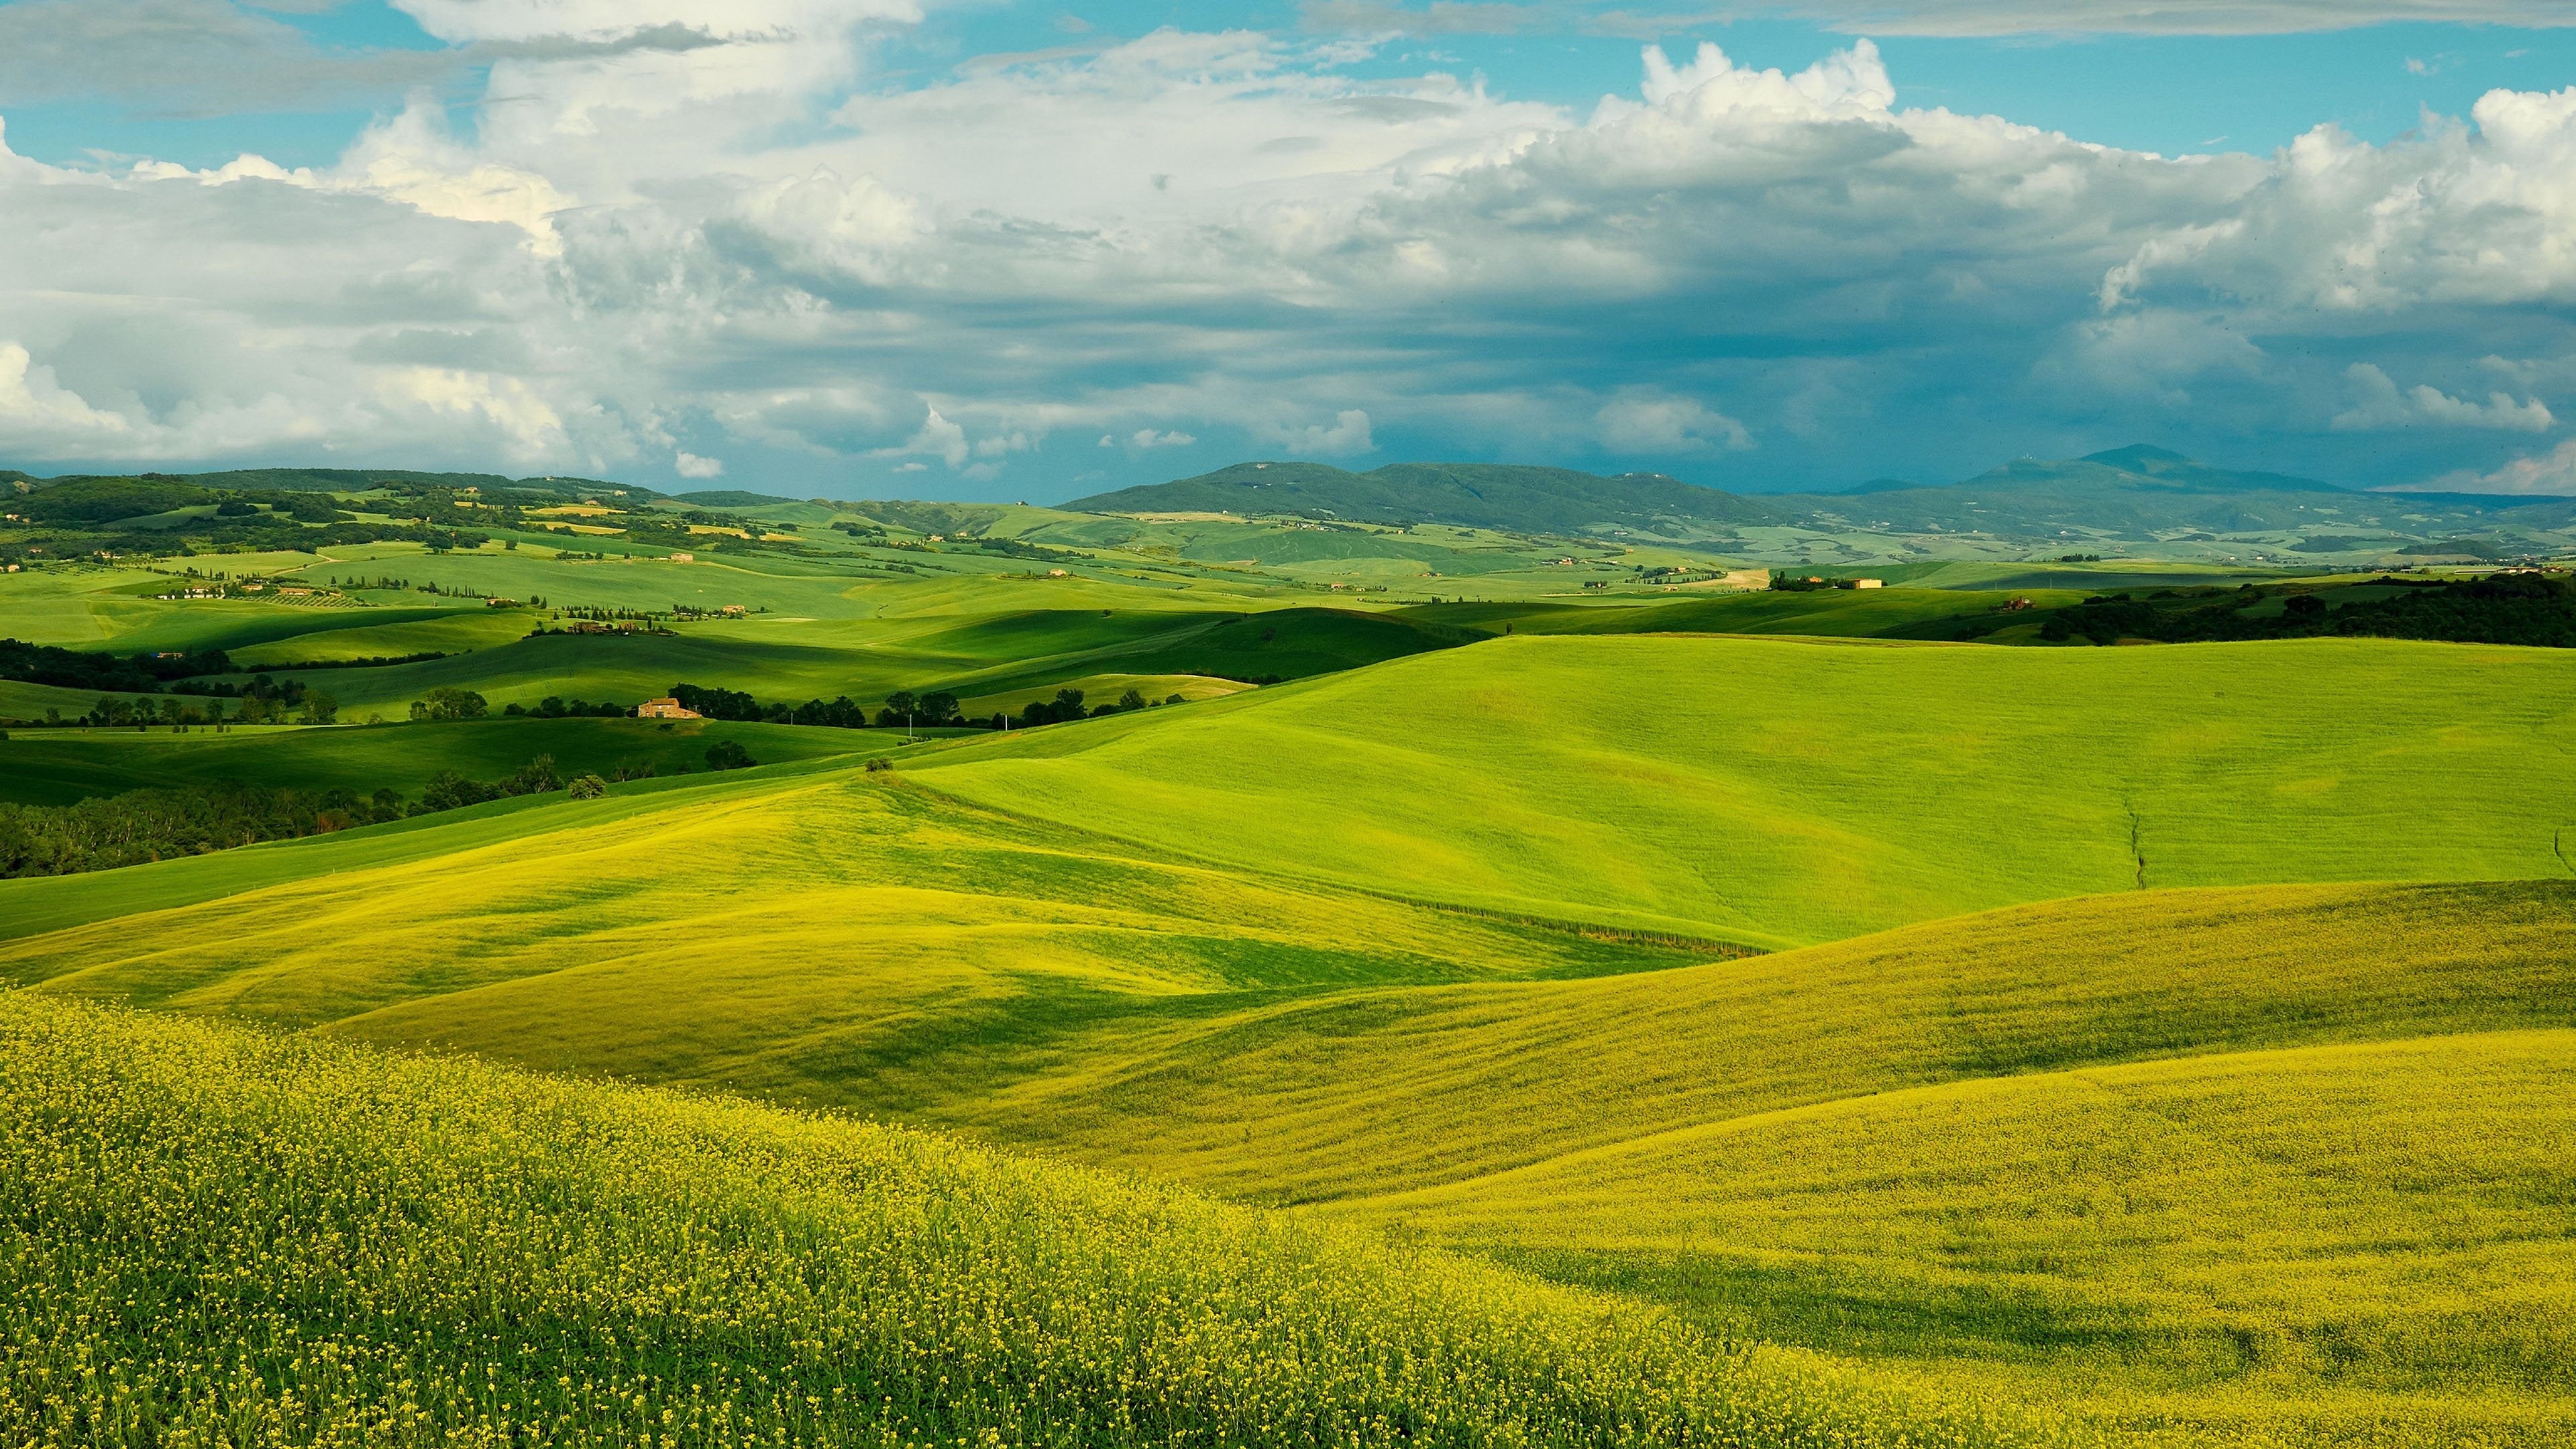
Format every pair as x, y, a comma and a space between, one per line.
2355, 1243
1779, 792
221, 1238
2272, 1164
823, 936
1357, 1093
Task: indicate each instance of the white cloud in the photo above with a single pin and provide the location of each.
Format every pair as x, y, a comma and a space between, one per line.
690, 465
2383, 406
640, 242
411, 160
1941, 17
937, 437
1346, 436
1646, 422
2173, 17
33, 404
2550, 472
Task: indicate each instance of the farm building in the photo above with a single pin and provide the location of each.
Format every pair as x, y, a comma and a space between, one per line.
665, 708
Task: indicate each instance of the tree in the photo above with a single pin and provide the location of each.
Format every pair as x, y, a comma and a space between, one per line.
448, 702
1132, 699
319, 708
1068, 704
938, 707
588, 787
729, 755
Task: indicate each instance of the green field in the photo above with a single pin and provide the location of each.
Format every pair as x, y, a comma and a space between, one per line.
1781, 792
1609, 1017
54, 767
221, 1238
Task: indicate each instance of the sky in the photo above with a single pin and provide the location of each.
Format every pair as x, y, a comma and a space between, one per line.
1003, 250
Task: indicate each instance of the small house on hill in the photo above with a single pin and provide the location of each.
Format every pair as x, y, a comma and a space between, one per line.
665, 708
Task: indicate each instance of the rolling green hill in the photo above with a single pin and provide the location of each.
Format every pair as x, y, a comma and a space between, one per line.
1793, 1147
218, 1237
2175, 1038
1780, 792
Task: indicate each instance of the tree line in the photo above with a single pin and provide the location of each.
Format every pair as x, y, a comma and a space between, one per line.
2506, 608
163, 823
903, 709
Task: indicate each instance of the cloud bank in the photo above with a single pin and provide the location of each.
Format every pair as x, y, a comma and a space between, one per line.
731, 242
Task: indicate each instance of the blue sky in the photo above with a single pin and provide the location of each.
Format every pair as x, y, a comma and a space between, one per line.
860, 247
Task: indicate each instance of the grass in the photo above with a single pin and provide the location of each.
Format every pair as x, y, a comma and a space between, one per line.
56, 767
218, 1238
2321, 1239
1783, 792
1882, 1148
2179, 1037
827, 937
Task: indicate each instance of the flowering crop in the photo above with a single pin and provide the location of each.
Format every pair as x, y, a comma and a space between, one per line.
214, 1237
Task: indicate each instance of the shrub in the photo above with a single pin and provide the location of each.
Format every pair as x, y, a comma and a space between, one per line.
588, 787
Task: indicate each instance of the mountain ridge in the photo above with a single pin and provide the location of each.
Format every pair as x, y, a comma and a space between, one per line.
2128, 495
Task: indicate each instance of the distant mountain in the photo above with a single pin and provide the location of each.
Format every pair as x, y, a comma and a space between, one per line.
731, 498
1474, 495
352, 480
2132, 498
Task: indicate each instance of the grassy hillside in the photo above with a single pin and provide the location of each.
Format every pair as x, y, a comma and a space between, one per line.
221, 1238
2356, 1242
1358, 1093
829, 937
2180, 1036
1931, 1147
1781, 792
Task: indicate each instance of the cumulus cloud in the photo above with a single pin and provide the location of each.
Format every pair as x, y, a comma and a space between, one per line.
34, 405
1647, 424
2552, 472
690, 465
628, 246
937, 437
2381, 405
1346, 436
1940, 17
